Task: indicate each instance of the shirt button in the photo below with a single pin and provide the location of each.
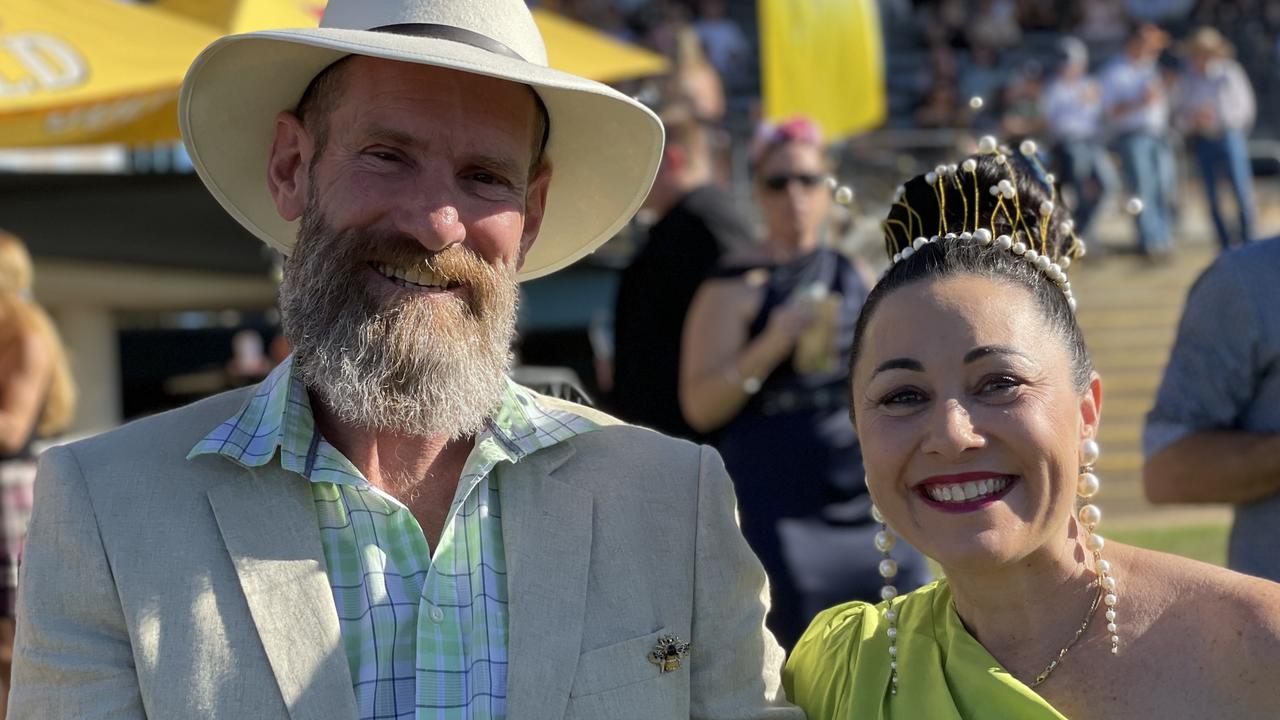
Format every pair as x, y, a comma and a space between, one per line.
437, 615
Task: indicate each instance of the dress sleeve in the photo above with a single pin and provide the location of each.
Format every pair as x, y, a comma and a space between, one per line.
819, 674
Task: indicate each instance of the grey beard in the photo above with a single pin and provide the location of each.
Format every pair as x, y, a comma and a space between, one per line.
408, 368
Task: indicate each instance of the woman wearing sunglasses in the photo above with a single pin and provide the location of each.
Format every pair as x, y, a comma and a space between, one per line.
766, 342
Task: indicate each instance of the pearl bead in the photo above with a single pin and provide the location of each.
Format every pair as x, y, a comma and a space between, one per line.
1089, 451
888, 568
1090, 515
1109, 583
987, 143
967, 236
983, 236
1071, 303
1134, 206
1004, 242
1064, 262
893, 633
1009, 194
1031, 255
899, 192
1088, 485
994, 190
1046, 208
875, 515
1049, 178
844, 195
1084, 249
1104, 567
1019, 248
1004, 184
952, 168
1044, 263
907, 252
831, 182
897, 258
890, 614
1110, 599
888, 592
919, 243
1111, 615
1028, 147
1111, 628
940, 170
885, 541
969, 165
893, 664
1095, 542
893, 650
931, 178
975, 103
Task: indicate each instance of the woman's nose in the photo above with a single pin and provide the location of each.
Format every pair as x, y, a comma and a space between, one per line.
951, 431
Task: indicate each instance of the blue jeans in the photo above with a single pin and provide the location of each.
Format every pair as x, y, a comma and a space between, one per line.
1229, 154
1084, 166
1149, 171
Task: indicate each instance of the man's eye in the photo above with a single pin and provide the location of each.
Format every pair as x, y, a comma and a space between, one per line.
487, 178
385, 155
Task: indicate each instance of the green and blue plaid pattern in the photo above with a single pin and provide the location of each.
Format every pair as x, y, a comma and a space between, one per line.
425, 636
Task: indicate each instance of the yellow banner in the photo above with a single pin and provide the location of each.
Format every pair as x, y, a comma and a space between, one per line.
823, 59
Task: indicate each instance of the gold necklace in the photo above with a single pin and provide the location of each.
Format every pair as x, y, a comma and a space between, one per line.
1093, 608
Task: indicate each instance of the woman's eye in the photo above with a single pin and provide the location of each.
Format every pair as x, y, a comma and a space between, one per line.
1002, 384
903, 398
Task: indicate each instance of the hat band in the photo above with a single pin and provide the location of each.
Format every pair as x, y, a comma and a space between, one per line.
453, 34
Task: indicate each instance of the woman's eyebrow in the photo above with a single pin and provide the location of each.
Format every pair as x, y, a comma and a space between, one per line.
898, 364
981, 352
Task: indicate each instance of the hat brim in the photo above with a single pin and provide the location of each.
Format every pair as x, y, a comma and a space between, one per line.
604, 147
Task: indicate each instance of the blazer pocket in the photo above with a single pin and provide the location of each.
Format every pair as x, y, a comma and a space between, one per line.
617, 665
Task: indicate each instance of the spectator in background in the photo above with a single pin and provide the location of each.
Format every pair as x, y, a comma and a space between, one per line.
693, 81
764, 365
1217, 107
1214, 434
995, 25
696, 224
37, 399
1072, 108
726, 45
1135, 106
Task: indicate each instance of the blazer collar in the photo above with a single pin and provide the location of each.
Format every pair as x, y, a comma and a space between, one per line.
268, 522
546, 525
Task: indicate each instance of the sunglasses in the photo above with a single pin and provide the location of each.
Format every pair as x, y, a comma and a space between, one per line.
778, 183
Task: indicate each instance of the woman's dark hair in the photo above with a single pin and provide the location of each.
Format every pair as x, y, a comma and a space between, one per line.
921, 205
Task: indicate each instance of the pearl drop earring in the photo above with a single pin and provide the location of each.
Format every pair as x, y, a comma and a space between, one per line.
888, 570
1090, 516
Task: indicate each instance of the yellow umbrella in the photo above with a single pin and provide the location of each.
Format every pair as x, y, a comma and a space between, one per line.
571, 46
91, 71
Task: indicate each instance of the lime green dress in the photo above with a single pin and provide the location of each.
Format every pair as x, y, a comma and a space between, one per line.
840, 668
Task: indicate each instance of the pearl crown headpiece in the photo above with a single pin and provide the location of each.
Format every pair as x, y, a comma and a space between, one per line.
1031, 244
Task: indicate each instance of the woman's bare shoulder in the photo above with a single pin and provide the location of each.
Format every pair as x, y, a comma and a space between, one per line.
1226, 620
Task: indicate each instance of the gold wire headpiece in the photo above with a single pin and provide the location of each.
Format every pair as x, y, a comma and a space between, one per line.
1031, 244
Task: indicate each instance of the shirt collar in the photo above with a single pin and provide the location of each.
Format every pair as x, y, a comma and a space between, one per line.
277, 416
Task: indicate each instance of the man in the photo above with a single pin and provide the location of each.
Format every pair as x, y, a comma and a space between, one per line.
697, 224
1214, 434
1136, 107
1072, 109
386, 527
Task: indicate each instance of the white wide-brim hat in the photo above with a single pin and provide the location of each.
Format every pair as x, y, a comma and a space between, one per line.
604, 147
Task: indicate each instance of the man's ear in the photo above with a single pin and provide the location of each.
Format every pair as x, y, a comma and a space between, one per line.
675, 157
535, 207
288, 166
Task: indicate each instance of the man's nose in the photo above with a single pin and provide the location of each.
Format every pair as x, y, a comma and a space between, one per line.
433, 218
950, 431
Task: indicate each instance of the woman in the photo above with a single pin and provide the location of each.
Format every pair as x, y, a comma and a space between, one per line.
36, 399
762, 364
977, 409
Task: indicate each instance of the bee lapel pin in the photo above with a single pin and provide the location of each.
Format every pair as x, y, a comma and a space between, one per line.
668, 653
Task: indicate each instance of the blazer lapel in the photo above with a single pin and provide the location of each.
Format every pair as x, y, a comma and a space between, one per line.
268, 522
546, 527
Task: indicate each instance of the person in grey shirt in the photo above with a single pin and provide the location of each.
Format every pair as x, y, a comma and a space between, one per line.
1214, 433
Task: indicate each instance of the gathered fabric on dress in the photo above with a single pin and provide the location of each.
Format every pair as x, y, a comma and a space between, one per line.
796, 466
840, 668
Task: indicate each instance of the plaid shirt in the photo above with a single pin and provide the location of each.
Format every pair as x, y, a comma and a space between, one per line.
425, 636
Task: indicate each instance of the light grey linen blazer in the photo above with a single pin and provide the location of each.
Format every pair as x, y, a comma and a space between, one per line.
154, 586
